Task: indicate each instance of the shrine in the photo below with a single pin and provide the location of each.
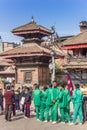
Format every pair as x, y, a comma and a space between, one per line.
31, 59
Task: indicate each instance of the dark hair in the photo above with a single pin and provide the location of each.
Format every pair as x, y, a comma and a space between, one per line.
36, 86
50, 86
27, 88
8, 87
62, 85
77, 85
54, 81
44, 88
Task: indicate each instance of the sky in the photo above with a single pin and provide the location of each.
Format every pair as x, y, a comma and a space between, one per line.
65, 15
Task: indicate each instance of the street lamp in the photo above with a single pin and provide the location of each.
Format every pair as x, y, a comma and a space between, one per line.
52, 64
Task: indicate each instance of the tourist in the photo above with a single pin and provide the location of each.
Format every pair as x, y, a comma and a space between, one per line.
22, 99
13, 101
9, 95
17, 99
27, 103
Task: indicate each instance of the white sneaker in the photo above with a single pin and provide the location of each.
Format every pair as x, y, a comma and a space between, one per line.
62, 122
80, 123
45, 121
54, 122
73, 123
50, 120
37, 119
25, 117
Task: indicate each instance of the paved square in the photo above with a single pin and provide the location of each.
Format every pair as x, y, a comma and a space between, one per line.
20, 123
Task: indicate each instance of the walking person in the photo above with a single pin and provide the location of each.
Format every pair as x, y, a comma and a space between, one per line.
8, 95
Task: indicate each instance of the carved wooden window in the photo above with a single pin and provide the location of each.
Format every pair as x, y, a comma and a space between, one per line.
28, 77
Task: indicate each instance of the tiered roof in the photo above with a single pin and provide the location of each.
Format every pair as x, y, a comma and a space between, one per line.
31, 28
31, 49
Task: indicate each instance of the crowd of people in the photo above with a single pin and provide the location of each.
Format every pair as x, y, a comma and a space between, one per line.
15, 100
51, 103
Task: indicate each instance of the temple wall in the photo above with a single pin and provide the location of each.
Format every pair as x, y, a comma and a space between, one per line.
34, 75
44, 75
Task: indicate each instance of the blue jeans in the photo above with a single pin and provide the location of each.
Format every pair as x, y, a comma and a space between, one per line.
17, 105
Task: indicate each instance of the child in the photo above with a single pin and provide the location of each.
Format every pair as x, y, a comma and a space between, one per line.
78, 99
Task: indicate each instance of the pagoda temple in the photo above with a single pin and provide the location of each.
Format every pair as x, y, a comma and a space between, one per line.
31, 60
76, 62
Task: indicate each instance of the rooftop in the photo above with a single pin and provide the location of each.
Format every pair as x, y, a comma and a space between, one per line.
26, 50
81, 38
30, 28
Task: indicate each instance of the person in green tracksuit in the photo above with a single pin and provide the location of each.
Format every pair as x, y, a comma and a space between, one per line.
37, 94
78, 99
63, 103
55, 93
43, 104
49, 104
67, 105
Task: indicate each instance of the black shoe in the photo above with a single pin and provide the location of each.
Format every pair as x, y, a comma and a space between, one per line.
9, 120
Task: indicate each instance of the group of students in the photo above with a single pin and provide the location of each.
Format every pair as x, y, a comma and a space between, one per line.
57, 97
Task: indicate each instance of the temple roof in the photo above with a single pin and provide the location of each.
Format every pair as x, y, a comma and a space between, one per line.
31, 27
31, 49
4, 62
81, 38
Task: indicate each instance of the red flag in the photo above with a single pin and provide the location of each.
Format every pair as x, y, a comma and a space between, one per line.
70, 85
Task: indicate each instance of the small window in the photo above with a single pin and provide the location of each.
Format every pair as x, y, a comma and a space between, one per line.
28, 77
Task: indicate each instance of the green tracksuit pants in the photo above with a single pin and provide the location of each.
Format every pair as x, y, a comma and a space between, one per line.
48, 112
37, 107
55, 112
64, 114
78, 112
42, 112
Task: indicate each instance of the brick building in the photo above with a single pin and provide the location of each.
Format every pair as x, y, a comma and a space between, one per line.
76, 62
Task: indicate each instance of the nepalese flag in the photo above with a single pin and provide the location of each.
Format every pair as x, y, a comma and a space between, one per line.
70, 85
